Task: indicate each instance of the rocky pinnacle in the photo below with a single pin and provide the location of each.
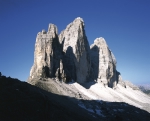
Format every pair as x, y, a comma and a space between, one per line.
103, 63
77, 51
46, 54
68, 56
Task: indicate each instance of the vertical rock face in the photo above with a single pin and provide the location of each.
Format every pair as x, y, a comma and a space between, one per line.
103, 63
46, 54
69, 57
76, 50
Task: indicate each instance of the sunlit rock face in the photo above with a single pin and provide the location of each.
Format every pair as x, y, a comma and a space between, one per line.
76, 50
66, 57
91, 70
69, 57
103, 63
46, 54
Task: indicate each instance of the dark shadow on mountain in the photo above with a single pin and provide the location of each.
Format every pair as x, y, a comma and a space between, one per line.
67, 72
20, 101
94, 71
69, 64
56, 47
70, 60
88, 84
95, 62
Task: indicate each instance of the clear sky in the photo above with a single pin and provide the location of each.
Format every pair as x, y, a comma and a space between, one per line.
125, 25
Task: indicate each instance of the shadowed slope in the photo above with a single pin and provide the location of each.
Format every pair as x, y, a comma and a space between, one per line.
22, 101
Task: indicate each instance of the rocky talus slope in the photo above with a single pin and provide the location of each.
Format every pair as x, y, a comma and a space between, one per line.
20, 101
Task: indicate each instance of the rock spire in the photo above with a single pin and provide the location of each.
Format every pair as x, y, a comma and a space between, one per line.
46, 54
103, 63
68, 56
77, 51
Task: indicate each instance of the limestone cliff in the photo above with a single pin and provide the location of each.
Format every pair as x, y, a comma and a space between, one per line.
92, 69
103, 63
46, 54
76, 50
69, 57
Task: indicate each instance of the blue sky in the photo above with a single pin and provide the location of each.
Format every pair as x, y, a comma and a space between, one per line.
125, 25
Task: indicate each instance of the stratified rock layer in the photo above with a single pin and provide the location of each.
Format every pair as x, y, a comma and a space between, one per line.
103, 63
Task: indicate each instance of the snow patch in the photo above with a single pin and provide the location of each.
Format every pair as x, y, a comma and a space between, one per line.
82, 106
99, 112
90, 110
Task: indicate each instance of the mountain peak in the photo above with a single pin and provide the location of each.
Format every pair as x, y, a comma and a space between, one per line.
78, 21
52, 29
69, 57
76, 49
67, 65
99, 40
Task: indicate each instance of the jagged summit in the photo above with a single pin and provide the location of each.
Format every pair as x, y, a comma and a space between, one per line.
47, 50
79, 20
73, 51
106, 63
76, 49
68, 56
98, 40
65, 64
52, 29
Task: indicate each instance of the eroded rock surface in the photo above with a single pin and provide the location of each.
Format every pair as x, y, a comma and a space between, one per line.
103, 63
76, 50
46, 54
68, 56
